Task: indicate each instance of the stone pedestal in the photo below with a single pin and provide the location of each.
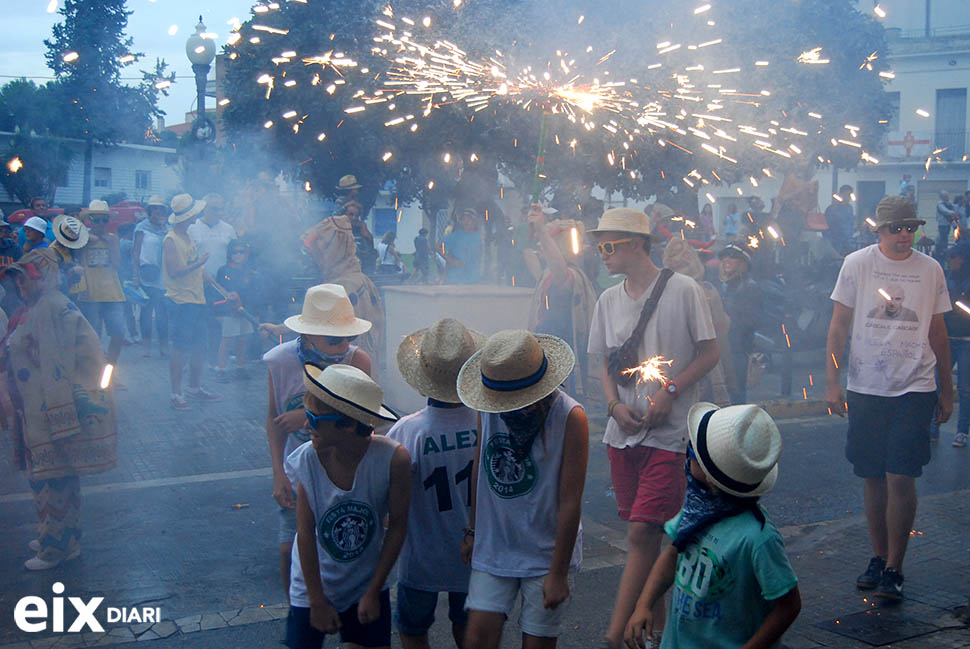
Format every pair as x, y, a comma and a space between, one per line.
408, 308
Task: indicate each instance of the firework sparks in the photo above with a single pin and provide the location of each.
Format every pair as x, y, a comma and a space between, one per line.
650, 370
15, 165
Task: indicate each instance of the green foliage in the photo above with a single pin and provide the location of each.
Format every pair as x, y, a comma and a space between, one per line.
46, 162
505, 137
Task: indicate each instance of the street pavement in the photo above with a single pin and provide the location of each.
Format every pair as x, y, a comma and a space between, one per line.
187, 524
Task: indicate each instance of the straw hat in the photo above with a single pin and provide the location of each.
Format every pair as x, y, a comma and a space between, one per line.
36, 223
896, 209
430, 359
513, 370
623, 219
350, 391
327, 311
348, 183
156, 201
70, 232
184, 207
96, 207
737, 447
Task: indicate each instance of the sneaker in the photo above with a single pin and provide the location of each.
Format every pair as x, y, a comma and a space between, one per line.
179, 402
200, 394
960, 440
37, 563
891, 586
872, 577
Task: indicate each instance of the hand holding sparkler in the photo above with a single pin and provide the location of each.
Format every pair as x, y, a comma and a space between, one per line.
662, 401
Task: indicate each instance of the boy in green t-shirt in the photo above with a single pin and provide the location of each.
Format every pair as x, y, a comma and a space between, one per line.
733, 584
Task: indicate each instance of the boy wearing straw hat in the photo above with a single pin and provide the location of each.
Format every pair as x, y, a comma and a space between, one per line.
524, 533
733, 584
348, 480
325, 329
646, 431
441, 440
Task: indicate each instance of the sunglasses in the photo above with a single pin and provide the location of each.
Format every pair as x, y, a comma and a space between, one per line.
899, 227
609, 247
315, 419
100, 219
336, 340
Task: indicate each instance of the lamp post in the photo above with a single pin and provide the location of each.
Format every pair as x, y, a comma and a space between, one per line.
201, 50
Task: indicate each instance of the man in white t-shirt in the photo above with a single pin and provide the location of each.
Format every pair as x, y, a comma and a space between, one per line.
212, 235
647, 426
898, 339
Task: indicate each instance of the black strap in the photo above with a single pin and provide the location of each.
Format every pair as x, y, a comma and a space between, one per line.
650, 306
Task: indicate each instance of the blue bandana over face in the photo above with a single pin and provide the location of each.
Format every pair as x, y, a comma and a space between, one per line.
310, 354
703, 508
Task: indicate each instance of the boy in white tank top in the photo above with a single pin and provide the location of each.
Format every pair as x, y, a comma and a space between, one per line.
441, 440
529, 478
349, 481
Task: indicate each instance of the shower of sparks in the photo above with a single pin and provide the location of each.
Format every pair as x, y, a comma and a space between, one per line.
650, 370
812, 57
15, 165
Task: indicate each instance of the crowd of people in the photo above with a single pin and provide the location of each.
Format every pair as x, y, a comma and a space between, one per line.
491, 472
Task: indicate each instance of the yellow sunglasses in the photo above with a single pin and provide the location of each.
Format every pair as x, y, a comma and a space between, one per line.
609, 247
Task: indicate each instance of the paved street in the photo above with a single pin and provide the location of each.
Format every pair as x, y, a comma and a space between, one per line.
187, 524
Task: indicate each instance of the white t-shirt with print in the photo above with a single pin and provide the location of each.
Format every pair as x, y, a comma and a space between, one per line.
682, 319
893, 303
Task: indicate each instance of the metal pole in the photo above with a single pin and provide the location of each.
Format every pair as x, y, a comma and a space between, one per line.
201, 76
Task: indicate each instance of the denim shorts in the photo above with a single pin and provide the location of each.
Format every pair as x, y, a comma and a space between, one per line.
186, 326
110, 313
301, 635
415, 610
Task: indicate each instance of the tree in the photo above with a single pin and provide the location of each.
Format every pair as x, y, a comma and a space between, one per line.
640, 160
44, 164
87, 52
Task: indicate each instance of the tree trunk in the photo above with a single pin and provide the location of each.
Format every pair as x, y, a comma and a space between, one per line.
88, 161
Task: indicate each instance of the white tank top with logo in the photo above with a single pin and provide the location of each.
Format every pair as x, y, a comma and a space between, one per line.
349, 524
517, 501
441, 442
286, 370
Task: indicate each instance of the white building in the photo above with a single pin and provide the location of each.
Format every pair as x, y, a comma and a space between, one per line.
135, 169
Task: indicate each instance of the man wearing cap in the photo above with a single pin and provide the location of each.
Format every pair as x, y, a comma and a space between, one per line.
463, 250
891, 394
743, 304
347, 190
33, 234
146, 269
39, 206
646, 431
441, 440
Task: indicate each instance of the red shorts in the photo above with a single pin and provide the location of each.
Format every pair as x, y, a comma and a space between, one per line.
649, 483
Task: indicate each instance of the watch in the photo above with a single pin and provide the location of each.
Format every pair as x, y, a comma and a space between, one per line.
671, 388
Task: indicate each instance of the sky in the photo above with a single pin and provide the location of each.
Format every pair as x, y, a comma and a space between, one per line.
27, 23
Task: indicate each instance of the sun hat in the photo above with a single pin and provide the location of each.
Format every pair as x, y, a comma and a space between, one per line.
430, 359
36, 223
96, 207
70, 232
896, 209
327, 311
156, 201
623, 219
349, 391
679, 256
735, 251
184, 207
513, 370
662, 211
737, 447
347, 183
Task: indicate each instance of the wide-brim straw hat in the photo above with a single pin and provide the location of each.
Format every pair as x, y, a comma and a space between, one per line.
70, 232
348, 182
513, 370
349, 391
430, 359
96, 207
895, 209
623, 219
737, 447
327, 311
184, 207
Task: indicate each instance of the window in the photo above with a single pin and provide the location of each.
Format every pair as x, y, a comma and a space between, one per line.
102, 177
143, 180
951, 122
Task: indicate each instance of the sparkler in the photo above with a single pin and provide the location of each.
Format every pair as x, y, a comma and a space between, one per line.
650, 370
106, 376
15, 165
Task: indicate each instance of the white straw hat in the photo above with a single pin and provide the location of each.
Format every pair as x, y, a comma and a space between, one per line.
156, 201
96, 207
737, 447
327, 311
623, 219
430, 359
70, 232
184, 207
36, 223
350, 391
513, 370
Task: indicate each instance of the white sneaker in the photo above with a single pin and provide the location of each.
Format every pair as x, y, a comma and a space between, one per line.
37, 563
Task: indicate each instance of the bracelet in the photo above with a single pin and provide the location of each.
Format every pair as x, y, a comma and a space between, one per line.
469, 531
609, 407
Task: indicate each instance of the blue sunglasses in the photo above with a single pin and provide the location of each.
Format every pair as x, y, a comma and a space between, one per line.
315, 419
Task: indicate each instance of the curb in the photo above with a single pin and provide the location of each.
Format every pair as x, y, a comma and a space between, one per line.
795, 409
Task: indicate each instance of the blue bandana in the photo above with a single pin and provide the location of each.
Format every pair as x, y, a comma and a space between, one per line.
310, 354
703, 508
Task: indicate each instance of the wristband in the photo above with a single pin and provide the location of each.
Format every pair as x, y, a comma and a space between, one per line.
609, 407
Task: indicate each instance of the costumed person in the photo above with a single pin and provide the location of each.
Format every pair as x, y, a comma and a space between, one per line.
53, 356
330, 244
680, 257
564, 297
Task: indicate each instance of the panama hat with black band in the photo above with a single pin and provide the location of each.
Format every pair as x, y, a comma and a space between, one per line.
349, 391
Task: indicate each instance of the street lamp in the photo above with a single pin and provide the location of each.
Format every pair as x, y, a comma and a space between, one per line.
201, 50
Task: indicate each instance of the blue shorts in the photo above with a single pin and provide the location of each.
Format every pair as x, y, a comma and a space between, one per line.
186, 326
889, 434
415, 610
111, 314
301, 635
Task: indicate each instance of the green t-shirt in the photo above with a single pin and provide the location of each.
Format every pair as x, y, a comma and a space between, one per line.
725, 583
